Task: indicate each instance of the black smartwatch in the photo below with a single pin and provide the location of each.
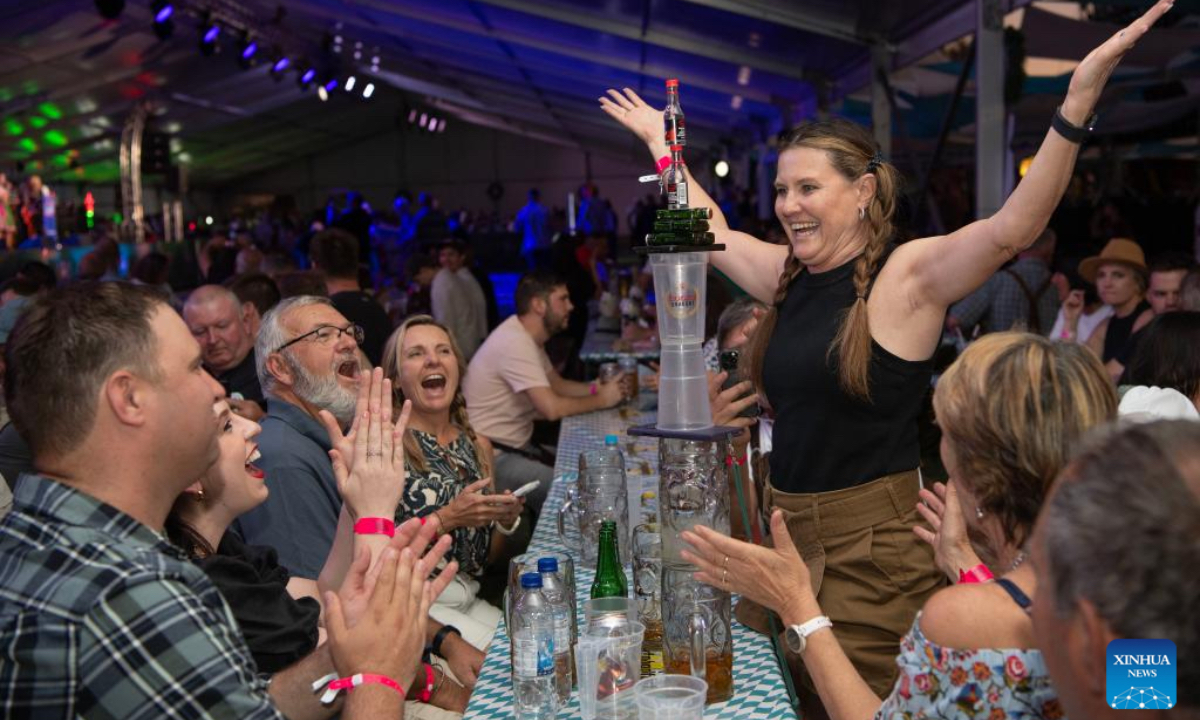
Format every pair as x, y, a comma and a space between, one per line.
1072, 133
440, 636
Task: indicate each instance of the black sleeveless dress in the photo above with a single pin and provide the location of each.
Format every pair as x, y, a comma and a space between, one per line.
825, 439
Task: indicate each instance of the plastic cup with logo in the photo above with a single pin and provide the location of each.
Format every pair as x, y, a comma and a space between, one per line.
679, 286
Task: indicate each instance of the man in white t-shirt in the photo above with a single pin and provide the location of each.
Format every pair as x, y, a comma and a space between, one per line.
456, 299
510, 382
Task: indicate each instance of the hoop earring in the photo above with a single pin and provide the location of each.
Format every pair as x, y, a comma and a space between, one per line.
862, 214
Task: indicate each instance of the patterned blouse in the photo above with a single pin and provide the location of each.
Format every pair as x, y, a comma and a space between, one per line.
983, 684
449, 470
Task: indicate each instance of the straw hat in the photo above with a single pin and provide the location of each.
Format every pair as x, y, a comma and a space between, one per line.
1118, 250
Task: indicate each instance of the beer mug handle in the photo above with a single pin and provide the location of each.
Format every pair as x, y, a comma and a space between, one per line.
568, 506
698, 630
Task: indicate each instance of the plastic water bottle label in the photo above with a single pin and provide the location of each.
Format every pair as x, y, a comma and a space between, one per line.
545, 656
562, 630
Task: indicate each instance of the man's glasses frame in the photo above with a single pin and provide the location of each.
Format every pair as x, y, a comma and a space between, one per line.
331, 332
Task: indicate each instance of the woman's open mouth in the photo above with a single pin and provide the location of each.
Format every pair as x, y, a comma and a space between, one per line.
435, 382
253, 470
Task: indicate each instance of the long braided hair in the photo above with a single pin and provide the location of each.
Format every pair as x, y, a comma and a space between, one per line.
853, 153
413, 457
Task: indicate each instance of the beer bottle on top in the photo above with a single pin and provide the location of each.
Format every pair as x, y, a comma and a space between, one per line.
610, 576
675, 130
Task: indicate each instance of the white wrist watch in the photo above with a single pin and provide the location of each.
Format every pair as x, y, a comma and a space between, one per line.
796, 636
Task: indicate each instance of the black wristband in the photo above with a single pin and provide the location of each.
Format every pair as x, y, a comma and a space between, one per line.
1072, 133
440, 636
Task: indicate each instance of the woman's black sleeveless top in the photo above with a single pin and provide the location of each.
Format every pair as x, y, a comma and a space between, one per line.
825, 439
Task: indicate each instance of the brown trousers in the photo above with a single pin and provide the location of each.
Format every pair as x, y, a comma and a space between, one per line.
870, 573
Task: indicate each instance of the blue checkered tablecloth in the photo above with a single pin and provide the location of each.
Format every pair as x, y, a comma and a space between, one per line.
759, 691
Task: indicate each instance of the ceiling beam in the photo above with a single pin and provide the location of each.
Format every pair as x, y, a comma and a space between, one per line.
806, 20
689, 44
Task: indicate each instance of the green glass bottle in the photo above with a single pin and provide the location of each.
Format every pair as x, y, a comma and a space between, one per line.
610, 576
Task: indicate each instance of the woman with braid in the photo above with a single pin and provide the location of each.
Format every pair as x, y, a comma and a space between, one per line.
448, 468
844, 355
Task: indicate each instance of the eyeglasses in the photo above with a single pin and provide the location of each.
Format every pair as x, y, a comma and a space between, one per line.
324, 333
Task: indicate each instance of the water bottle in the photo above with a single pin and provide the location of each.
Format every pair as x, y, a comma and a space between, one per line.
556, 596
533, 653
613, 457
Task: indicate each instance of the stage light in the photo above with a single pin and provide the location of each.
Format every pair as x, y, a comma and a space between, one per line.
110, 9
208, 41
442, 126
306, 78
247, 49
412, 115
721, 168
350, 83
322, 93
164, 27
208, 220
162, 11
424, 120
369, 90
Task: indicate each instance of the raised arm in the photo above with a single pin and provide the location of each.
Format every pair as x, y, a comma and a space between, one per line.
751, 263
945, 269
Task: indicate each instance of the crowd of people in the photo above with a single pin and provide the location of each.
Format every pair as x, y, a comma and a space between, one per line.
220, 495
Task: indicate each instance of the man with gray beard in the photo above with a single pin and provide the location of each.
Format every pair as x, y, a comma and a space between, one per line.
308, 362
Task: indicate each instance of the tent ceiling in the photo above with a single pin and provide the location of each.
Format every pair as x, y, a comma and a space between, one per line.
68, 78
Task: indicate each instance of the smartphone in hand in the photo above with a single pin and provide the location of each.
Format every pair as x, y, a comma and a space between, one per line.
729, 361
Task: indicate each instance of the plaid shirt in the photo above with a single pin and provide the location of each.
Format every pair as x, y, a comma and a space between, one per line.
101, 617
1002, 305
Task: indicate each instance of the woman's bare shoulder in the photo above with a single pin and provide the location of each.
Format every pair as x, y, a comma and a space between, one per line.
974, 615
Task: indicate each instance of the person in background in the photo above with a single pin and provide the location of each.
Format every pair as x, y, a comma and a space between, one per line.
1167, 272
533, 227
1189, 292
258, 294
99, 615
1018, 297
1168, 355
420, 270
510, 381
1114, 554
152, 270
249, 260
457, 299
1119, 273
971, 651
335, 253
220, 323
449, 470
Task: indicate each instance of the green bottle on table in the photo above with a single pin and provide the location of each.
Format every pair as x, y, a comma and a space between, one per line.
610, 576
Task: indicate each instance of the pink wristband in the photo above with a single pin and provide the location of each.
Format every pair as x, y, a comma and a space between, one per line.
375, 526
663, 162
592, 389
427, 691
977, 574
349, 683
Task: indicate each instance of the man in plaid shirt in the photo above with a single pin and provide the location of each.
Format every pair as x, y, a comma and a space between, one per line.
99, 615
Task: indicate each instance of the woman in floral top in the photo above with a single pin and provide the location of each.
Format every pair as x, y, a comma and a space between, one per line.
448, 468
971, 652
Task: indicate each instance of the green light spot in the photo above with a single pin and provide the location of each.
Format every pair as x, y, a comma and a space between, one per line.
118, 218
38, 122
61, 160
27, 144
55, 138
50, 110
12, 127
5, 94
29, 87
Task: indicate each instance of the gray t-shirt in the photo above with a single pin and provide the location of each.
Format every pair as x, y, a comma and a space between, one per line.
300, 517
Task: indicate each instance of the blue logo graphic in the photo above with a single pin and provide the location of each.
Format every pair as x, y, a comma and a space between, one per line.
1141, 674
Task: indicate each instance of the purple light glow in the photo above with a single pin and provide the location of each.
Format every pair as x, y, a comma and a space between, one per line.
211, 35
280, 65
164, 14
249, 51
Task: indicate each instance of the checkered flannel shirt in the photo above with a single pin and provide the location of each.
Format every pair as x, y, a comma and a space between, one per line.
101, 617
